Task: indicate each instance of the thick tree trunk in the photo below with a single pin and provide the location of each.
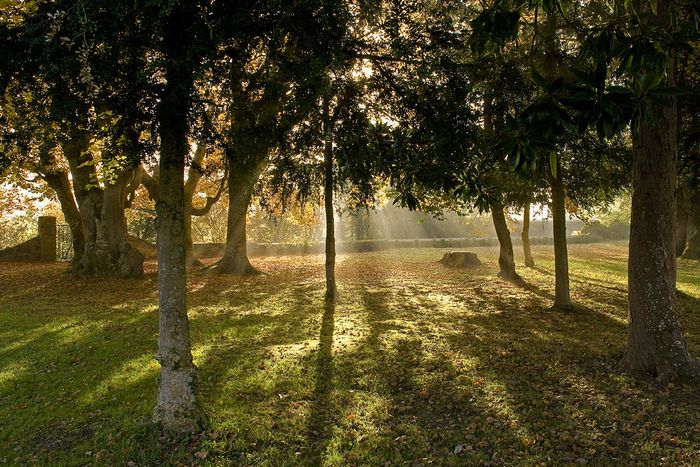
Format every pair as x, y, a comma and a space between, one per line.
331, 290
176, 407
109, 250
106, 248
59, 183
121, 256
525, 236
562, 296
683, 217
241, 184
506, 259
656, 346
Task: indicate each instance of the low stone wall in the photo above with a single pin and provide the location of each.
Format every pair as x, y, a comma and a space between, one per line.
215, 250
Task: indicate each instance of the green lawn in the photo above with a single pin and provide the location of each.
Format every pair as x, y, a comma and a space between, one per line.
417, 364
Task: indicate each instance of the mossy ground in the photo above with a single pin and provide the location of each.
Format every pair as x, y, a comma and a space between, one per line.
417, 364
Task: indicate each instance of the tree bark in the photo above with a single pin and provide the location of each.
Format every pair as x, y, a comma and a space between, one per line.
87, 194
331, 290
193, 176
242, 181
655, 346
525, 236
683, 217
692, 250
506, 259
59, 183
106, 246
562, 296
176, 407
121, 256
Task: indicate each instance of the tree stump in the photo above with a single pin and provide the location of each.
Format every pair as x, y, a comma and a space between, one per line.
460, 259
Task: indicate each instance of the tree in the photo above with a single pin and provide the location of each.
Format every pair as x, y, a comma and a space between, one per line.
195, 172
656, 346
176, 407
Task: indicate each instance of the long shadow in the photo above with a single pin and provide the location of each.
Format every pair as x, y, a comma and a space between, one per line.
533, 289
321, 416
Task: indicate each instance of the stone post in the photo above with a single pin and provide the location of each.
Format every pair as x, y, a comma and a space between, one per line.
47, 238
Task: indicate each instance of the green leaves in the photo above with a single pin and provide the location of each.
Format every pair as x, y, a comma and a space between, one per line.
498, 25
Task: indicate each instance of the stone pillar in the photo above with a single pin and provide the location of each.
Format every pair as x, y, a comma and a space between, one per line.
47, 238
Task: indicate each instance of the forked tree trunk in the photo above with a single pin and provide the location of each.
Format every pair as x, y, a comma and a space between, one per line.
562, 295
525, 236
506, 259
331, 290
176, 407
656, 346
106, 248
683, 217
120, 256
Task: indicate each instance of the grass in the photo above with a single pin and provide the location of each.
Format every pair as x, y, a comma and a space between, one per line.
416, 365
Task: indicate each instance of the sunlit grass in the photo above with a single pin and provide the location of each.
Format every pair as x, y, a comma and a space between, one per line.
416, 364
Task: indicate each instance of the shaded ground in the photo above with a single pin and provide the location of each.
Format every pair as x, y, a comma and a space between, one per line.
417, 364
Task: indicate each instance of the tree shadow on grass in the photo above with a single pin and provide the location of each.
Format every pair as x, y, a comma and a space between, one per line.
320, 415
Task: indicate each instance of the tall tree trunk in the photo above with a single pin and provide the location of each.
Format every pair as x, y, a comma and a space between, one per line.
176, 407
506, 259
525, 236
59, 183
242, 181
683, 215
562, 296
656, 346
331, 290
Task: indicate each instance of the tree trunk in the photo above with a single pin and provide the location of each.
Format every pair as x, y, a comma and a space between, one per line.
106, 246
59, 183
176, 407
683, 215
87, 194
525, 235
242, 181
562, 297
655, 346
331, 290
692, 250
193, 176
506, 260
121, 256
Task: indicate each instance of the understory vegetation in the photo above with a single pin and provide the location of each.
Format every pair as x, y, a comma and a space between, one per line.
415, 364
